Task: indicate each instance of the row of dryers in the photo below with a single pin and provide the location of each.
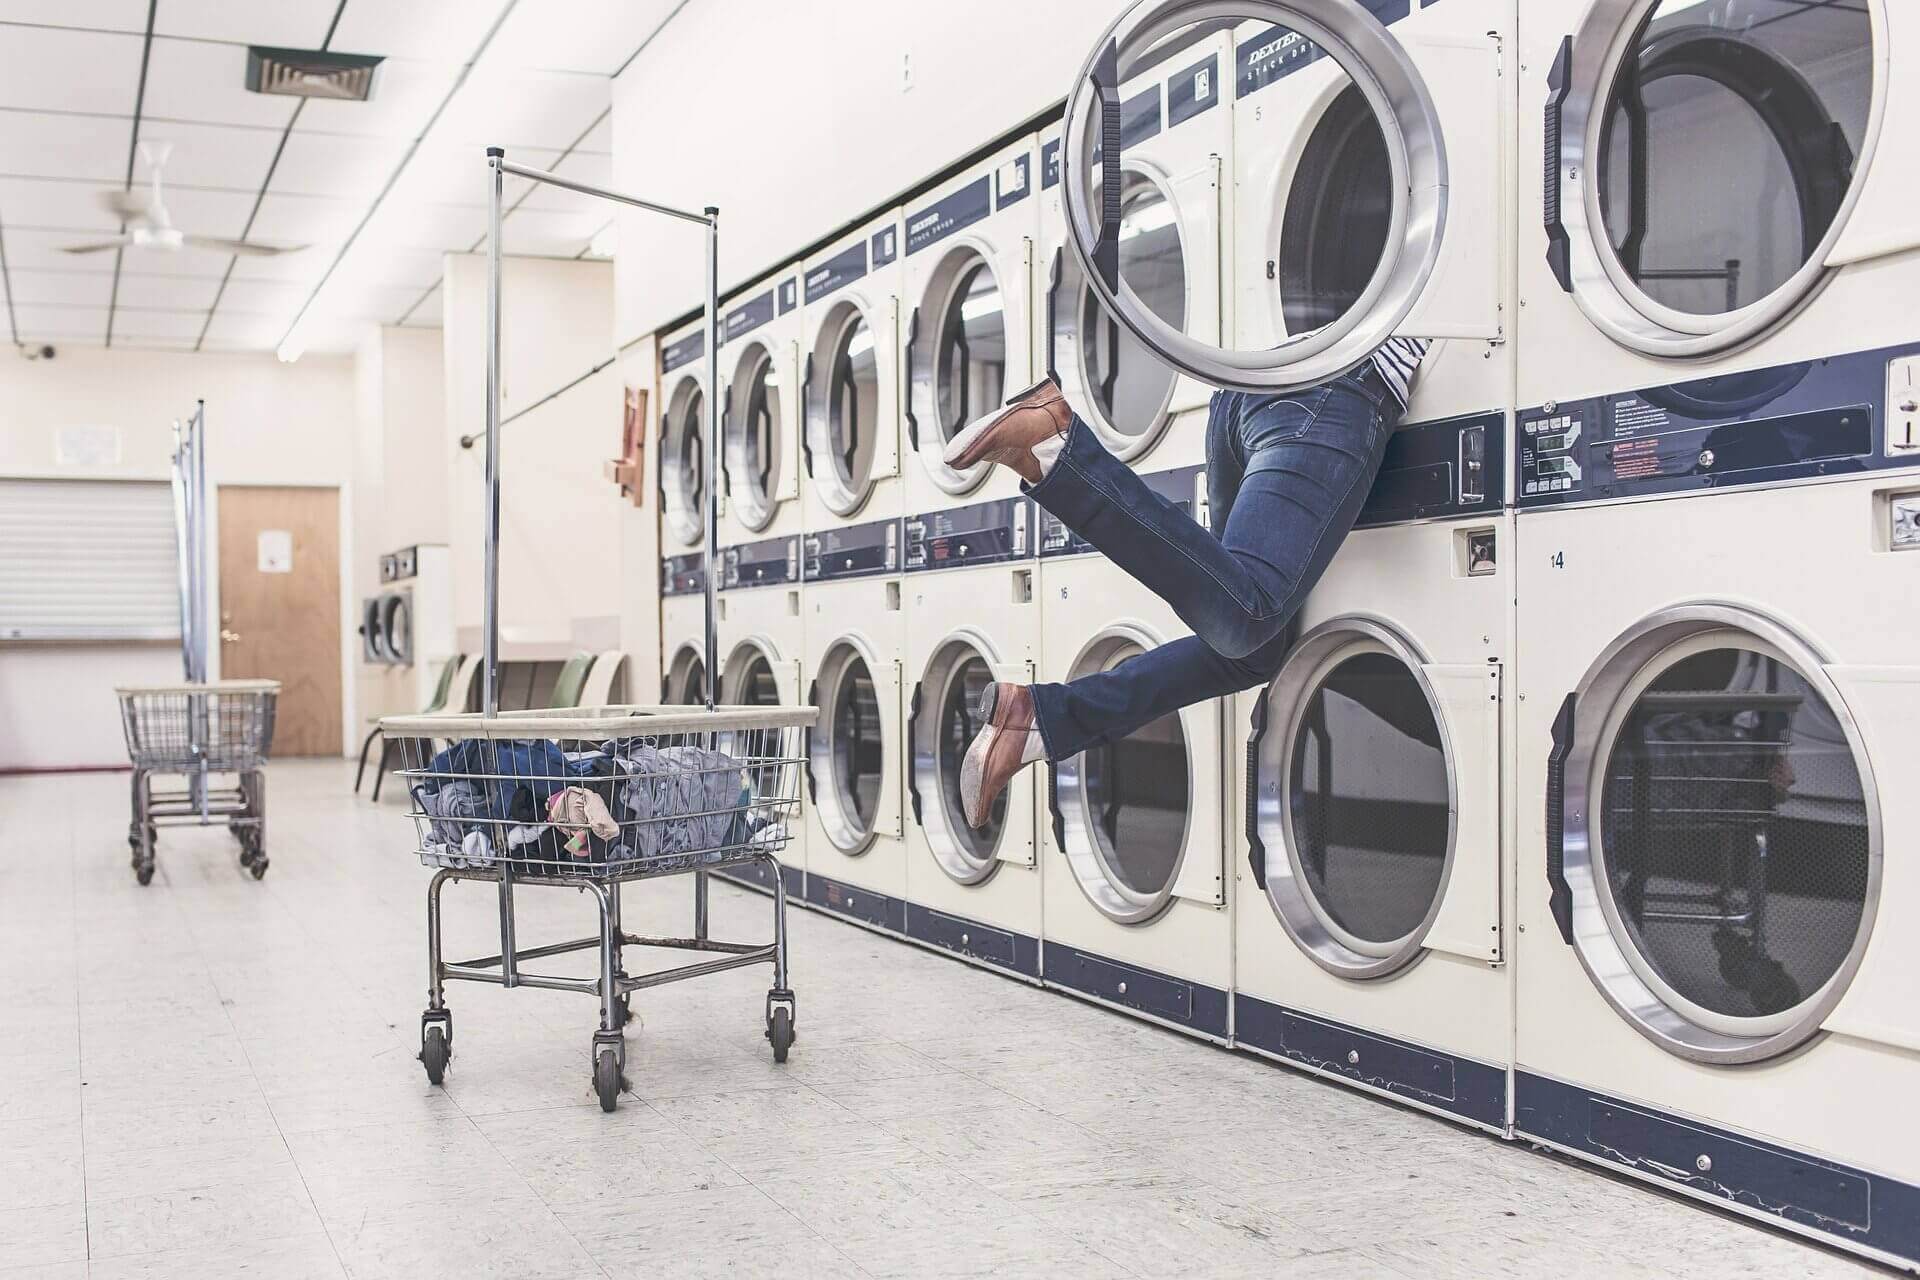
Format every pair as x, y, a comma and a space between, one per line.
1576, 813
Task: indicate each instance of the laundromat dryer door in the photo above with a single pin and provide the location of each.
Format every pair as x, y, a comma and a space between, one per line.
1367, 157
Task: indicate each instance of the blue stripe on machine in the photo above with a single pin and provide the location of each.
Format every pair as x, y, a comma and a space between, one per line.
950, 214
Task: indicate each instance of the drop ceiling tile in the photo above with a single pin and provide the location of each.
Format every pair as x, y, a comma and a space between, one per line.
504, 107
265, 298
230, 157
66, 288
432, 30
587, 167
94, 15
198, 80
133, 322
307, 220
241, 330
405, 94
596, 35
36, 249
50, 69
43, 202
297, 24
41, 323
40, 145
168, 293
553, 235
325, 164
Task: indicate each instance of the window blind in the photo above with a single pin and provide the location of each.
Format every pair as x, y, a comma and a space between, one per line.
88, 560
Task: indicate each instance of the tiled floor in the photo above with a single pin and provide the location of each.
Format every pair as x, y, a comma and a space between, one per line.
215, 1077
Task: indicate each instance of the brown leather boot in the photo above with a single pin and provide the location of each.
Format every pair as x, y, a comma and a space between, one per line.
1005, 746
1037, 415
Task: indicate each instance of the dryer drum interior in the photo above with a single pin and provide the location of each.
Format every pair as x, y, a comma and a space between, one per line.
686, 682
946, 720
959, 356
747, 679
848, 750
1355, 800
753, 437
1339, 212
1727, 139
845, 402
1126, 385
683, 462
1721, 818
1126, 806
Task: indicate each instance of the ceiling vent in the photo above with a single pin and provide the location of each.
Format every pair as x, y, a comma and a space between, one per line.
310, 73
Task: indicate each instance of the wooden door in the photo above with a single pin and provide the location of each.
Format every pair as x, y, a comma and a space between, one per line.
280, 606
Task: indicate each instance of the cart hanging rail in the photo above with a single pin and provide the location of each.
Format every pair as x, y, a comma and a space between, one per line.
589, 800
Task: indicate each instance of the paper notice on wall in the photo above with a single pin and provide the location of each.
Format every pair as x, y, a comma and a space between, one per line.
276, 551
86, 446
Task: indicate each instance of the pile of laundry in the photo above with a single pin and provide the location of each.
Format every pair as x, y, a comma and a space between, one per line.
549, 811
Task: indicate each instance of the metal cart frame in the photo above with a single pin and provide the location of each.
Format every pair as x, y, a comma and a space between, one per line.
612, 986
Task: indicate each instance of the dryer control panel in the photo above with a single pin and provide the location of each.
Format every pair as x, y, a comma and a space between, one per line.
857, 551
1836, 416
769, 563
985, 533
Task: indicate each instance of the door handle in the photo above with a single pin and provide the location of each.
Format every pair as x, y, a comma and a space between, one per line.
229, 637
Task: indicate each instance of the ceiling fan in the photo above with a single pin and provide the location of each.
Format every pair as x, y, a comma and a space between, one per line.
150, 227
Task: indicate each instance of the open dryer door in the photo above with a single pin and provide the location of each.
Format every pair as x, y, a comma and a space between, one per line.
1340, 173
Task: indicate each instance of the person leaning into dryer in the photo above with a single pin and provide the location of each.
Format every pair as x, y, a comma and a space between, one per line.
1286, 478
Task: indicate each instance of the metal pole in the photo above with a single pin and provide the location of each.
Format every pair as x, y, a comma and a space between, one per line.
490, 623
713, 452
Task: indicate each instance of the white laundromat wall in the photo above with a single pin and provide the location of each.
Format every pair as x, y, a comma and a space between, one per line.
794, 118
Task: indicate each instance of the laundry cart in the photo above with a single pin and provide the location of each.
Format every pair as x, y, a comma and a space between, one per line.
207, 734
590, 800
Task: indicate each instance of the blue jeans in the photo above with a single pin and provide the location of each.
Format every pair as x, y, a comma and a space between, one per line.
1286, 478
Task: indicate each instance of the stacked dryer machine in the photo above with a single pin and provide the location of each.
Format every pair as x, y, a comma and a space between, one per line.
968, 542
1135, 886
1370, 940
682, 472
759, 623
1717, 579
855, 629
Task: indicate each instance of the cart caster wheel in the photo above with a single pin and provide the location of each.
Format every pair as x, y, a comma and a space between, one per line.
143, 874
1772, 990
607, 1079
780, 1032
434, 1052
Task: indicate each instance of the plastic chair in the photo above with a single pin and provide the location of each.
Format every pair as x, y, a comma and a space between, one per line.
572, 681
457, 666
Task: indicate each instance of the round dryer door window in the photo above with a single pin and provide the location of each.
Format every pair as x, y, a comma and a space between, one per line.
1126, 385
1354, 805
1722, 821
844, 401
686, 682
848, 749
1124, 806
683, 463
946, 720
753, 438
1727, 137
747, 680
1338, 179
958, 357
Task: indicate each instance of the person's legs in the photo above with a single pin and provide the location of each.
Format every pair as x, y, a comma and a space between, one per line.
1310, 462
